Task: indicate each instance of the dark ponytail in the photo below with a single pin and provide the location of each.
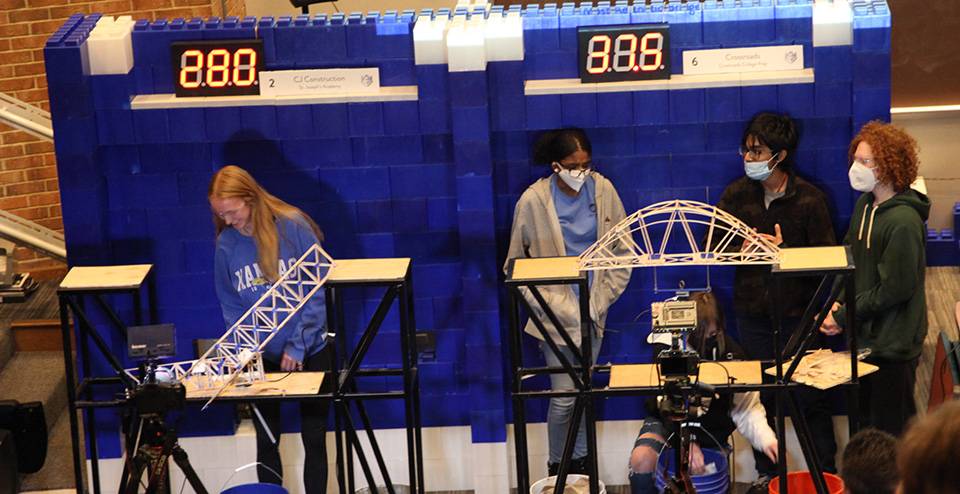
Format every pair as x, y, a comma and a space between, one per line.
555, 145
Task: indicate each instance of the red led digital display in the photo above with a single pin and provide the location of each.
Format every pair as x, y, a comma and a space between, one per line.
217, 67
624, 53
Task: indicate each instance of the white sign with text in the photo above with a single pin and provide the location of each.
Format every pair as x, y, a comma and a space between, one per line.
754, 59
309, 82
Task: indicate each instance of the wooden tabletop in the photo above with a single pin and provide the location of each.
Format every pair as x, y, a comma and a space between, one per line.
717, 373
359, 270
81, 278
545, 268
812, 258
276, 384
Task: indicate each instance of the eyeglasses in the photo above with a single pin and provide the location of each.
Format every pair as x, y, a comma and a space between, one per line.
756, 151
867, 162
230, 213
578, 169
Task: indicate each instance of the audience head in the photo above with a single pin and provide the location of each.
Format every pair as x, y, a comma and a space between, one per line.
869, 463
927, 460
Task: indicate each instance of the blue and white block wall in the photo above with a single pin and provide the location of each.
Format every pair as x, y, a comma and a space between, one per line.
431, 165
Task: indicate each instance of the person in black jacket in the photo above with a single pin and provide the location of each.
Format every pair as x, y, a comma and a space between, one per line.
791, 212
741, 411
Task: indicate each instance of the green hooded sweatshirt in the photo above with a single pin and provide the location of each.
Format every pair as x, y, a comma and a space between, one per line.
889, 251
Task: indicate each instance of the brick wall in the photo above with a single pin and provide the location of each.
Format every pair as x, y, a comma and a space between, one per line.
28, 174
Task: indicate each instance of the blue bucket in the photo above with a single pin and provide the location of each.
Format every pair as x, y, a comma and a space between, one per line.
258, 488
711, 483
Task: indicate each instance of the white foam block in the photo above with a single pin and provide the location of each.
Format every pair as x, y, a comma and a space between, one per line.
832, 23
466, 47
110, 47
429, 40
503, 37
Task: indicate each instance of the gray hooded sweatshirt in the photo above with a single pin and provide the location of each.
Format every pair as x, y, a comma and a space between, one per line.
536, 233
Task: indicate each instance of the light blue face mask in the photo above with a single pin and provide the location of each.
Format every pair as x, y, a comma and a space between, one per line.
758, 170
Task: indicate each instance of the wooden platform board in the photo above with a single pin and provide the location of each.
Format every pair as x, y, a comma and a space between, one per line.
645, 375
545, 268
294, 384
81, 278
810, 258
824, 369
359, 270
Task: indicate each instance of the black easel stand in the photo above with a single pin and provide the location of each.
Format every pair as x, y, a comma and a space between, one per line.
523, 292
395, 276
580, 371
80, 285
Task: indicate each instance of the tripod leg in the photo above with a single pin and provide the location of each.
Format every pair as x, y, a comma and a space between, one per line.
180, 457
130, 484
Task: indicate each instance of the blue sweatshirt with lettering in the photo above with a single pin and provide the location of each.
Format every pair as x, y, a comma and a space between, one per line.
240, 283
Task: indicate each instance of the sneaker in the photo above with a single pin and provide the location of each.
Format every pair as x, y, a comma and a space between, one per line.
760, 486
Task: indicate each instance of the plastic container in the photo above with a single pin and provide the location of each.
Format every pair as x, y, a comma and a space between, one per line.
256, 488
711, 483
538, 486
802, 483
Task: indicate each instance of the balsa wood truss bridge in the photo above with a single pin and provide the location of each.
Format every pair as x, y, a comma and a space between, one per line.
643, 239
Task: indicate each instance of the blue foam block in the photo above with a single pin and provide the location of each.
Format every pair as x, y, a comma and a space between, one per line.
472, 157
374, 217
376, 245
260, 119
612, 142
833, 99
151, 125
543, 112
578, 110
444, 279
713, 169
688, 138
871, 70
393, 150
366, 119
756, 99
409, 215
115, 127
833, 63
651, 107
942, 248
506, 77
331, 120
508, 112
614, 109
358, 183
409, 181
723, 104
796, 100
468, 89
687, 105
187, 125
437, 148
434, 116
400, 72
871, 104
441, 213
470, 124
401, 118
725, 136
222, 122
474, 192
295, 121
432, 82
652, 140
112, 91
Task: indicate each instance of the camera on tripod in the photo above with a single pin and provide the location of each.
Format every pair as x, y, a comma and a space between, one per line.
677, 318
154, 396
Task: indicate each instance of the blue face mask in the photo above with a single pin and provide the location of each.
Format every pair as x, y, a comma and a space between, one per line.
758, 170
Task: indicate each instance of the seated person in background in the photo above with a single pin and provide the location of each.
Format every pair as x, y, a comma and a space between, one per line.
869, 463
927, 459
740, 411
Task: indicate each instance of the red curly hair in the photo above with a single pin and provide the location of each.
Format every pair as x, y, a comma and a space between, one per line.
894, 153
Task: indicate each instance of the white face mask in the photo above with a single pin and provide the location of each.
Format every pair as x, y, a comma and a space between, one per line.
573, 178
758, 170
862, 179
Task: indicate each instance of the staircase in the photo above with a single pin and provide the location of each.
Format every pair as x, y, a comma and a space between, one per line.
31, 369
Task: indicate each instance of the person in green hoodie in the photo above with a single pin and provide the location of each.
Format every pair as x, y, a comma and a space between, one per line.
887, 236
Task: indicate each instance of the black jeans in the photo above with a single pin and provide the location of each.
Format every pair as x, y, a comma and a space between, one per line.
886, 396
756, 337
313, 429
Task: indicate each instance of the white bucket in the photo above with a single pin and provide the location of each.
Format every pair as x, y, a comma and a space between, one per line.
538, 486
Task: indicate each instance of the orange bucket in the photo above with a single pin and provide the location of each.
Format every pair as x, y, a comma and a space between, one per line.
802, 483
